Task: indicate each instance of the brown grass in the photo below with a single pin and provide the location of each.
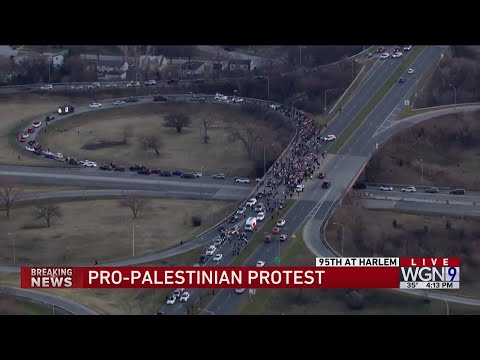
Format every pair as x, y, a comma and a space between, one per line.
449, 148
102, 230
12, 305
371, 233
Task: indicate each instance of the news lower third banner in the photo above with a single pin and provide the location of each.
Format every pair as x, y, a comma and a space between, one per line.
329, 273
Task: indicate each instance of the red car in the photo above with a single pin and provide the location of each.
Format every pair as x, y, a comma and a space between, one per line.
113, 165
268, 239
23, 140
276, 230
30, 130
156, 171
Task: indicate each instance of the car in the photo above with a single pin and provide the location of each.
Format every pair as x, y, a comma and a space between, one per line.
380, 49
386, 188
171, 300
156, 171
251, 202
106, 167
232, 219
321, 175
37, 152
197, 98
120, 168
137, 167
29, 149
407, 48
166, 173
37, 124
240, 291
177, 173
219, 241
95, 105
260, 263
268, 239
238, 100
160, 98
202, 259
222, 229
219, 96
219, 176
396, 49
217, 257
281, 222
300, 187
132, 99
90, 164
178, 292
197, 174
276, 230
274, 106
384, 56
144, 172
458, 192
58, 158
150, 82
185, 296
409, 189
242, 180
283, 237
187, 176
259, 207
24, 88
49, 118
119, 102
410, 71
330, 137
431, 190
211, 250
25, 135
72, 161
326, 184
46, 87
30, 130
397, 55
401, 80
241, 210
258, 180
133, 84
110, 85
260, 216
259, 195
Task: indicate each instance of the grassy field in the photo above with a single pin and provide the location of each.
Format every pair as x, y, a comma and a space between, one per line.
375, 99
372, 233
333, 301
119, 301
183, 151
446, 145
101, 230
13, 305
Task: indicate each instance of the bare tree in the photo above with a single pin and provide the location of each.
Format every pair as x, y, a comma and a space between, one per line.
249, 135
131, 54
152, 141
207, 123
145, 62
9, 194
127, 133
134, 203
177, 121
48, 211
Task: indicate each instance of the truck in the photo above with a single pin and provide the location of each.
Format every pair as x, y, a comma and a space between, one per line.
251, 224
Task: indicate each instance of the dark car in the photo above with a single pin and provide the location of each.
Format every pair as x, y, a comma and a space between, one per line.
49, 118
458, 192
48, 156
431, 190
233, 219
144, 172
187, 176
166, 173
177, 173
222, 229
321, 175
120, 168
131, 99
37, 152
157, 171
160, 98
202, 259
401, 80
259, 195
197, 98
73, 161
106, 167
113, 165
268, 239
137, 167
326, 184
32, 142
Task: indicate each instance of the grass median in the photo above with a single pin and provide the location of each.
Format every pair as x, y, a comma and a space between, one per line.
375, 100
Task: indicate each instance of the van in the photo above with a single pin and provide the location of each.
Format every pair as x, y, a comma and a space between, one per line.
251, 224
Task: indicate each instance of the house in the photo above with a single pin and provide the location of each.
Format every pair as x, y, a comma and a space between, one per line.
193, 68
58, 60
244, 65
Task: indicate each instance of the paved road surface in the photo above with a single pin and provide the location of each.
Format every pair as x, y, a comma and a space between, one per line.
43, 297
441, 197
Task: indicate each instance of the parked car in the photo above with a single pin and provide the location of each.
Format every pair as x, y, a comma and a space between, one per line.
106, 167
409, 189
260, 263
131, 99
219, 176
177, 173
386, 188
166, 173
120, 168
156, 171
431, 190
137, 167
242, 180
160, 98
46, 87
144, 172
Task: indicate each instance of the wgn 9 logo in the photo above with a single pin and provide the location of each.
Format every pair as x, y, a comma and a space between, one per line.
443, 274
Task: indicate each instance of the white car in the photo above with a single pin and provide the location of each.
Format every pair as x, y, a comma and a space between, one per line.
211, 250
260, 263
133, 84
330, 137
46, 87
171, 300
281, 222
407, 48
150, 82
219, 96
111, 85
197, 174
409, 189
386, 188
88, 163
26, 135
37, 124
238, 100
185, 296
260, 216
251, 202
217, 257
243, 180
385, 56
300, 187
95, 105
397, 55
60, 155
217, 243
29, 148
239, 291
241, 210
46, 152
119, 102
258, 179
59, 158
410, 71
